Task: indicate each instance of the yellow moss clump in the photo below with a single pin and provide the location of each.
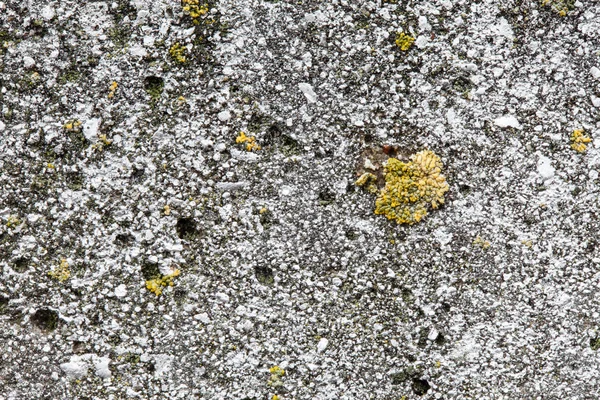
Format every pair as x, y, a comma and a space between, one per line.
13, 221
276, 373
404, 41
178, 52
368, 180
484, 244
250, 141
195, 10
156, 285
112, 89
579, 140
72, 125
62, 272
411, 187
562, 7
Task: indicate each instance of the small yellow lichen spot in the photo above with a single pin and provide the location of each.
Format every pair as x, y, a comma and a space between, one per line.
194, 9
275, 397
579, 141
72, 125
167, 210
112, 89
62, 272
404, 41
156, 285
13, 221
438, 364
50, 166
263, 210
411, 188
484, 244
105, 141
527, 243
177, 52
367, 180
277, 370
276, 374
250, 141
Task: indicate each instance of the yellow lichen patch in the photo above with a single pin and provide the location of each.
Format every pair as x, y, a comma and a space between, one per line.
250, 141
178, 52
484, 244
72, 125
13, 221
156, 285
561, 7
62, 272
195, 9
367, 180
276, 373
105, 141
112, 89
167, 210
404, 41
579, 140
411, 188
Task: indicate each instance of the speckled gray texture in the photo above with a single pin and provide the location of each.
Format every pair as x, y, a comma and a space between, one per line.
282, 261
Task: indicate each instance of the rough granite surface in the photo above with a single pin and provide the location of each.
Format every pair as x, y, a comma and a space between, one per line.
120, 174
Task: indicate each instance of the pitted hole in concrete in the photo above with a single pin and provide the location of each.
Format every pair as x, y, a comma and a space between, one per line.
264, 275
326, 196
21, 264
3, 304
78, 347
137, 174
154, 86
186, 228
124, 239
45, 319
150, 270
420, 386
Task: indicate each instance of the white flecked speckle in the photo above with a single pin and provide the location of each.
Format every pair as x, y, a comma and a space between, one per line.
224, 116
28, 62
545, 168
121, 290
308, 91
507, 121
322, 345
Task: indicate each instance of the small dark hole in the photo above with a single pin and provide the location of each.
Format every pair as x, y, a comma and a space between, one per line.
420, 386
137, 174
124, 239
45, 319
186, 228
272, 135
440, 340
78, 347
326, 197
180, 294
264, 275
351, 234
154, 86
21, 264
150, 270
3, 304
